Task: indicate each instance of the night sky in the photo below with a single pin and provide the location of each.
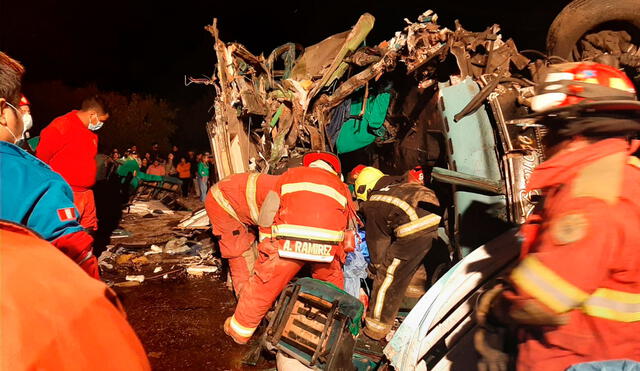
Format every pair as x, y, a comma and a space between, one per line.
149, 46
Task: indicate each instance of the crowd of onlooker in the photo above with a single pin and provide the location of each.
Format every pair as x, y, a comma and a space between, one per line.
192, 168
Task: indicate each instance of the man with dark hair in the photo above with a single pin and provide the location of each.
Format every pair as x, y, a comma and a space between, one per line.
69, 146
30, 193
10, 79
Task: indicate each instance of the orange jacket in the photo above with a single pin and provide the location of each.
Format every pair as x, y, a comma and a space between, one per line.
584, 261
55, 317
242, 195
184, 170
313, 214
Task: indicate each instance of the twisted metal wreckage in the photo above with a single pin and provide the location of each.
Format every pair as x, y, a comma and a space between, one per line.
268, 109
454, 101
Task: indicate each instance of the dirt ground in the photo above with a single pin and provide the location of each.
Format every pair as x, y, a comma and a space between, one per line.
178, 317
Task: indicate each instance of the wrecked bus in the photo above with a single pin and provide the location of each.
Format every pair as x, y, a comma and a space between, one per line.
452, 101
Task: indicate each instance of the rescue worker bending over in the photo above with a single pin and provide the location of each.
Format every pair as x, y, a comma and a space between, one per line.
575, 295
233, 205
30, 192
401, 225
308, 215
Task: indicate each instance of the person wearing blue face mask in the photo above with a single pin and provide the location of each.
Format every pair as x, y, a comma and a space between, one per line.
31, 194
69, 145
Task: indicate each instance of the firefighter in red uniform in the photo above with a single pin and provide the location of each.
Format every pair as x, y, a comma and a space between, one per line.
308, 215
233, 205
575, 295
69, 146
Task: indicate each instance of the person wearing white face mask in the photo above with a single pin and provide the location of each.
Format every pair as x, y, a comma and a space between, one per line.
25, 109
31, 193
69, 146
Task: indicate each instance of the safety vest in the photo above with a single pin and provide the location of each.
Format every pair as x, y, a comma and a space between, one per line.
313, 214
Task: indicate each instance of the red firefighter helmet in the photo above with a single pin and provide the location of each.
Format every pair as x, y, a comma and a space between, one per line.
327, 157
583, 85
353, 175
416, 175
24, 101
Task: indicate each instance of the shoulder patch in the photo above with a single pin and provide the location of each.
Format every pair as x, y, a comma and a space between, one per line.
569, 228
67, 214
601, 179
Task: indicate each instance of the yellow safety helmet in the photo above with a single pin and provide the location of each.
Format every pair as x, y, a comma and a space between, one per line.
365, 182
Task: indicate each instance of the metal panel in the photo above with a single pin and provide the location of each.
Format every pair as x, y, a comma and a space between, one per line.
471, 150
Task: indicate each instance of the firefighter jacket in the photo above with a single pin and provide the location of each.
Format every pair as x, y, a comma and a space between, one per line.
583, 263
313, 214
54, 317
33, 195
241, 195
398, 211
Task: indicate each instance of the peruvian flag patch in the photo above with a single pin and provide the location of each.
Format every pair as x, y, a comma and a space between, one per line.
67, 214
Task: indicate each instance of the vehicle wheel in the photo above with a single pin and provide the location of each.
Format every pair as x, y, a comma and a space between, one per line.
582, 16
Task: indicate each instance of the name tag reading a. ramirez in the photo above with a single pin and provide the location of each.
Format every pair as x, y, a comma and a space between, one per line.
306, 251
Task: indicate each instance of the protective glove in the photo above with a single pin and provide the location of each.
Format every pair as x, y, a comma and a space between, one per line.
487, 339
487, 344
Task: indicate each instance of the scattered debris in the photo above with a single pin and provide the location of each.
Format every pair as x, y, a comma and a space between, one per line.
149, 207
155, 354
106, 265
197, 220
107, 254
199, 270
138, 278
156, 250
120, 233
124, 259
176, 246
132, 245
141, 260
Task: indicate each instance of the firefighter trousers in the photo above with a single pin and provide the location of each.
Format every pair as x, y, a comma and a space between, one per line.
397, 266
272, 274
235, 243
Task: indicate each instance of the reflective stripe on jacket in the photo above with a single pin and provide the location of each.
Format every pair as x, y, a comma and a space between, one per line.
241, 195
584, 261
395, 209
313, 211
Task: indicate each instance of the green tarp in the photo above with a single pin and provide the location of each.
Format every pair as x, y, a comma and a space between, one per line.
359, 133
